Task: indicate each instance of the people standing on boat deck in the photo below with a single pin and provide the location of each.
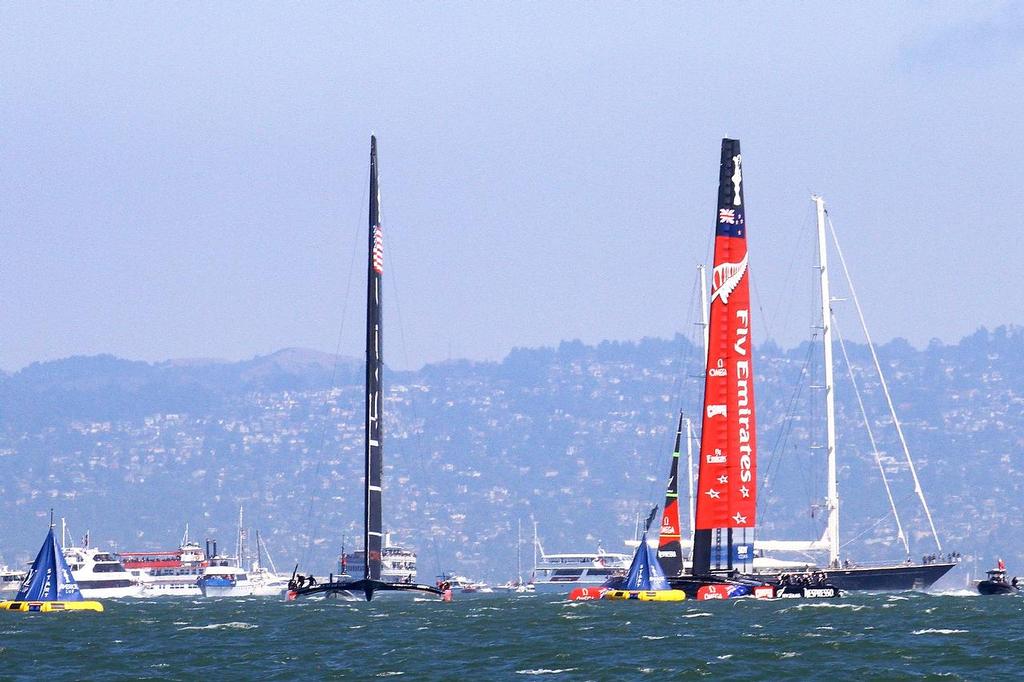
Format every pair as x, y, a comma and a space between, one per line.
1002, 565
312, 580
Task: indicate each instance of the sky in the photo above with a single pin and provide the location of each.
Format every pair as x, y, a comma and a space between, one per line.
190, 180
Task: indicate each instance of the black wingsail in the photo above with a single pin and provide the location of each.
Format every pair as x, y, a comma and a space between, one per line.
374, 448
373, 528
670, 551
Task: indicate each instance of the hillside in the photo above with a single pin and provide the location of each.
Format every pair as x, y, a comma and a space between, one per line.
576, 437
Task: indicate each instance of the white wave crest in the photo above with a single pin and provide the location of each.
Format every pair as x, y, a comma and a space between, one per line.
234, 625
939, 631
545, 671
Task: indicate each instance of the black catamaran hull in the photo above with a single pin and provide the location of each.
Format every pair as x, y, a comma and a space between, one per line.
867, 579
878, 578
367, 587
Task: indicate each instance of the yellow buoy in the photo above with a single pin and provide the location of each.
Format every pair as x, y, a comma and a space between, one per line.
646, 595
50, 606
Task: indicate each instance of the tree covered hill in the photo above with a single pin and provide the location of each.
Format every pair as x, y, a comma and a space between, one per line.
576, 438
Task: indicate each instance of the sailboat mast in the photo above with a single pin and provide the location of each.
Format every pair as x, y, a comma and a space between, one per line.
670, 551
239, 548
374, 442
519, 551
832, 498
727, 485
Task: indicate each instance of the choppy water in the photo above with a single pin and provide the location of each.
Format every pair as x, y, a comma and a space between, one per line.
884, 636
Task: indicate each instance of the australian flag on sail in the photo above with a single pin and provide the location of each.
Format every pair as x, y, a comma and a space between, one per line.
49, 579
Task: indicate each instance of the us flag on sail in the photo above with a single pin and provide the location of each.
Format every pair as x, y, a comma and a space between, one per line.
378, 249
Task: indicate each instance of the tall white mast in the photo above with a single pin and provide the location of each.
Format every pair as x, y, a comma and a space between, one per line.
519, 547
832, 498
702, 273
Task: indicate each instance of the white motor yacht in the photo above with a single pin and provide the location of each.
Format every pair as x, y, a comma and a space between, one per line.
100, 575
10, 581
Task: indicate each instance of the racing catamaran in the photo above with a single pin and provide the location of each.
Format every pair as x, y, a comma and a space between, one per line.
373, 531
727, 480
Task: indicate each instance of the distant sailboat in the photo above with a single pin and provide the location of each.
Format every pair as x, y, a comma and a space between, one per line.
49, 585
373, 532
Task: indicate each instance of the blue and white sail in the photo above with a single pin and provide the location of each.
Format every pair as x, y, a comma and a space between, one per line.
645, 572
49, 579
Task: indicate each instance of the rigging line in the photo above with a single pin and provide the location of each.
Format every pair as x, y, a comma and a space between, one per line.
775, 454
871, 436
334, 375
885, 386
785, 305
681, 375
867, 530
412, 407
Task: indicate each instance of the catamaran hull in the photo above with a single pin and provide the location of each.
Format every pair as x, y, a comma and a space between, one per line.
897, 578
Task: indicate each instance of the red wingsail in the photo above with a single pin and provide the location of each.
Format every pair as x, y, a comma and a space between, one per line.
727, 490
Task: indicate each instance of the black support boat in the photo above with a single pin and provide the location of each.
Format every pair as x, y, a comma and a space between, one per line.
996, 582
373, 533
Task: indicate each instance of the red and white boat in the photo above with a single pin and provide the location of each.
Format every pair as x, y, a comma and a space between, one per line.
172, 573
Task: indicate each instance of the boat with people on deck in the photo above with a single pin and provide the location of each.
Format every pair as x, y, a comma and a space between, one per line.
726, 491
227, 576
996, 581
170, 573
98, 574
725, 547
371, 581
566, 571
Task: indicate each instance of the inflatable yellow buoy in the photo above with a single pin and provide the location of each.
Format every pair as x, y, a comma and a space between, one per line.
646, 595
50, 606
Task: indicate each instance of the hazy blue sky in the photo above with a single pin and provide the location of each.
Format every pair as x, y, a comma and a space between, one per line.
189, 179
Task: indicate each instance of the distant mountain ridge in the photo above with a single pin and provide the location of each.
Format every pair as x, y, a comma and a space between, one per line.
575, 437
104, 387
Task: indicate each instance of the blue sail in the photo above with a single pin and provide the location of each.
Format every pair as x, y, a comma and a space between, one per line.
645, 572
50, 578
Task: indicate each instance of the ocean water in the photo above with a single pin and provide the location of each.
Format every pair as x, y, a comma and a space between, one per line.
908, 636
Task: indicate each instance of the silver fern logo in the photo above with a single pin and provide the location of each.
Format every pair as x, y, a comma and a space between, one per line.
725, 278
